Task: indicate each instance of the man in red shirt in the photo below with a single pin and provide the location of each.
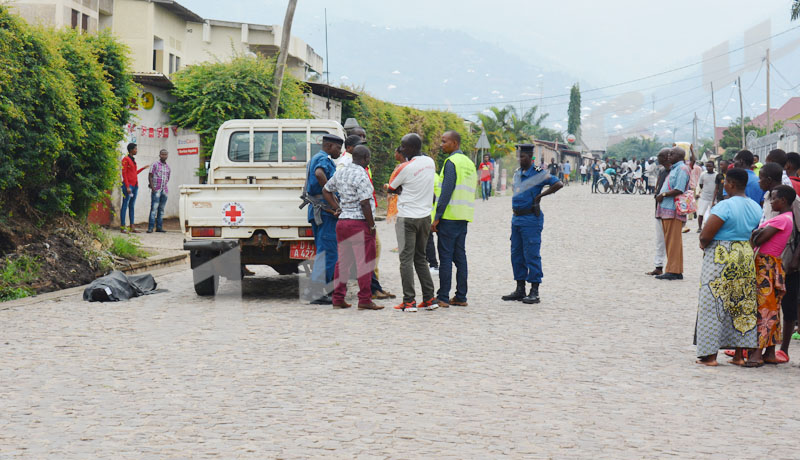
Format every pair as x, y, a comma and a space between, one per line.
130, 186
486, 171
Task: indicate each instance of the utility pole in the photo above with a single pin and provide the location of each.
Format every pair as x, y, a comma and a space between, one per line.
286, 37
714, 112
694, 130
741, 109
769, 124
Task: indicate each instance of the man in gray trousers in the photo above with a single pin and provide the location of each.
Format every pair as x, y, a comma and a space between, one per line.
413, 183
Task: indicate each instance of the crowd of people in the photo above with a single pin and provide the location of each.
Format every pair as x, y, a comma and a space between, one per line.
425, 202
422, 202
747, 215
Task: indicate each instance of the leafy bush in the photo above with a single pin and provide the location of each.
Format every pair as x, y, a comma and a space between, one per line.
63, 102
127, 248
39, 116
208, 94
387, 123
14, 274
89, 167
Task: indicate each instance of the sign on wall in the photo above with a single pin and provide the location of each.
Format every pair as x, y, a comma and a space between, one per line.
189, 144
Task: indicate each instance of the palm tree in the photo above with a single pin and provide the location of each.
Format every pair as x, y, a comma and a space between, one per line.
795, 9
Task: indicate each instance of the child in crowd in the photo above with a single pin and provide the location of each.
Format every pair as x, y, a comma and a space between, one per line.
768, 241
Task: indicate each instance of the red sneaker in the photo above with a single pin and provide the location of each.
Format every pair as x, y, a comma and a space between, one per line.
407, 306
430, 304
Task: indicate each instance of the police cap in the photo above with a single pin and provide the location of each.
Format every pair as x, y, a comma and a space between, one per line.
526, 148
332, 138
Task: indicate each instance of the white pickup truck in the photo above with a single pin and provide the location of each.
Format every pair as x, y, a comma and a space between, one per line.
251, 203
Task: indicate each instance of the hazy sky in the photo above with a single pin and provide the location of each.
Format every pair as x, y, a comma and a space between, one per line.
582, 36
598, 43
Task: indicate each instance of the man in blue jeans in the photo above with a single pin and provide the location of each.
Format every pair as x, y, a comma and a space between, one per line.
158, 179
455, 208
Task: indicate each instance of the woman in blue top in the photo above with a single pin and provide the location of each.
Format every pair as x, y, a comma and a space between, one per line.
726, 312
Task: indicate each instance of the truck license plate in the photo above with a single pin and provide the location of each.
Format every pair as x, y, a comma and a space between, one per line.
302, 250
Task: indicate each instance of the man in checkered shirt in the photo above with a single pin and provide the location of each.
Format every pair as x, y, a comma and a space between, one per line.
355, 230
158, 178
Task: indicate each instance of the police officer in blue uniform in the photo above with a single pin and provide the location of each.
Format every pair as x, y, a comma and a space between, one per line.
526, 225
322, 217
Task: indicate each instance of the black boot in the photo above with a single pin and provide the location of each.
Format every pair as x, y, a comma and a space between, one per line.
533, 297
519, 294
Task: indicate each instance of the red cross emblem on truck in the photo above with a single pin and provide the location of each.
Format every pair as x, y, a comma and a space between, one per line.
233, 214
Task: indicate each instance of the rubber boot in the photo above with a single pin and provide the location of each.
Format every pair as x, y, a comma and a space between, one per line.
519, 294
533, 297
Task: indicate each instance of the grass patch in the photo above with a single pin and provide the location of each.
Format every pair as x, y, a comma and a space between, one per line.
100, 235
14, 274
127, 247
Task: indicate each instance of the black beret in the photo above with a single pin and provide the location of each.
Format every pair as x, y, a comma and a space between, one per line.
332, 138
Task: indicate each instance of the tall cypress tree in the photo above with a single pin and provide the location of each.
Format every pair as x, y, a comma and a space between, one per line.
574, 111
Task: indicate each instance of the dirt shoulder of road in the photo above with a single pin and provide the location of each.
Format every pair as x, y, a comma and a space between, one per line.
66, 253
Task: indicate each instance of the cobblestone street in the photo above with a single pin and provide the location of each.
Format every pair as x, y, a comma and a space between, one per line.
602, 368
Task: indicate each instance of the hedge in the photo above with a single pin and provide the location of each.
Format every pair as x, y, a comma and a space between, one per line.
387, 123
63, 102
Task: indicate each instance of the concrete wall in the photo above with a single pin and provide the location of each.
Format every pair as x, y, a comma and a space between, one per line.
172, 30
319, 109
224, 43
57, 13
183, 166
132, 22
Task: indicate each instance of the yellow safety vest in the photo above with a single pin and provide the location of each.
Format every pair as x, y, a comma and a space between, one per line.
462, 202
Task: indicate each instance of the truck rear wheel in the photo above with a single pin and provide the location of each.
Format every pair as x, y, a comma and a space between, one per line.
207, 286
204, 284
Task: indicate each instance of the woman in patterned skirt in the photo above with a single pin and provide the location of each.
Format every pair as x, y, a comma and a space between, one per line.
726, 313
769, 241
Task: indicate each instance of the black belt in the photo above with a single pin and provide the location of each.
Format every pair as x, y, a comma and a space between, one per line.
527, 212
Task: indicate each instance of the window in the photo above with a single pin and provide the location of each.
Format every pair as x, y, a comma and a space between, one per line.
294, 146
265, 146
171, 63
316, 141
85, 23
177, 63
239, 147
75, 18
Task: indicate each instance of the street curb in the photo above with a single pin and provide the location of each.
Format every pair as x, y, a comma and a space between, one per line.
155, 263
165, 266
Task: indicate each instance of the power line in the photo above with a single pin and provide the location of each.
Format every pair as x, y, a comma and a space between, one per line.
727, 72
784, 79
621, 83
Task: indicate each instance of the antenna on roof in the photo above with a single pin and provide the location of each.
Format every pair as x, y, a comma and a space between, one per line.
327, 66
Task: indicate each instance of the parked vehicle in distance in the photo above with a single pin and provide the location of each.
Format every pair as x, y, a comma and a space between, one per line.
251, 201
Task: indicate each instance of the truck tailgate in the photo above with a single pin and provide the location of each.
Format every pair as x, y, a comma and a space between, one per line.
240, 209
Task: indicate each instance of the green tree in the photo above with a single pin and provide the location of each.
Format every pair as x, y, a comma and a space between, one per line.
574, 111
506, 127
635, 147
732, 137
208, 94
795, 9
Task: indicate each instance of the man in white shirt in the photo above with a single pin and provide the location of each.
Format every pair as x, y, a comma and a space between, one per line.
414, 185
583, 174
707, 184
